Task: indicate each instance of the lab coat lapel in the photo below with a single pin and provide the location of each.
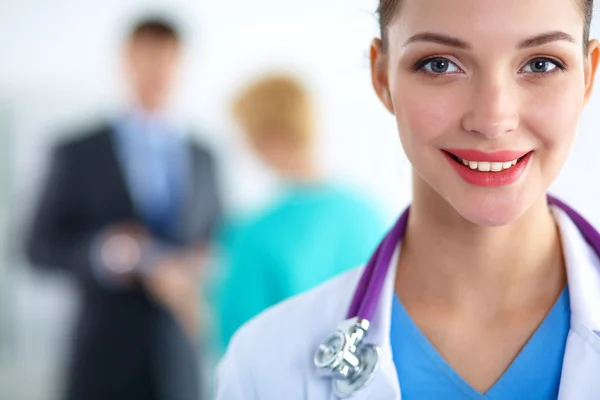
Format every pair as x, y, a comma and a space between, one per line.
581, 367
384, 385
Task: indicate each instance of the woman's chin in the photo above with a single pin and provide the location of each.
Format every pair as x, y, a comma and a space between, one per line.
491, 210
490, 218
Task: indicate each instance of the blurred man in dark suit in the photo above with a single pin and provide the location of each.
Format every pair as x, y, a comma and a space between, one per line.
128, 208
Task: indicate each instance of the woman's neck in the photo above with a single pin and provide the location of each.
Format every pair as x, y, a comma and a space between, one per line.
446, 258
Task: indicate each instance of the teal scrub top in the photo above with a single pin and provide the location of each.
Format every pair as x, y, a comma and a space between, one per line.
534, 374
309, 235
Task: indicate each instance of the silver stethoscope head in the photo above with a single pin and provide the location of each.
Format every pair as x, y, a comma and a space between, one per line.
346, 359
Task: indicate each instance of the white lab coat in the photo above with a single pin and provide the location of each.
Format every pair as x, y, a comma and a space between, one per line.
271, 357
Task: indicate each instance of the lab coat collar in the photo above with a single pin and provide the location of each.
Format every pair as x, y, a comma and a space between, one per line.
583, 272
582, 355
581, 366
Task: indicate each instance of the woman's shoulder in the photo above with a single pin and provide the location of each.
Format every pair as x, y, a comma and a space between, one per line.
280, 342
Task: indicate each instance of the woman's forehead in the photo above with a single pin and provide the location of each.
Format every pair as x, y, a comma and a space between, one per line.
488, 19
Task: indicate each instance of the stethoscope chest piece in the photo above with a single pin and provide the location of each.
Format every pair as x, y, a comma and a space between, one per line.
349, 362
369, 357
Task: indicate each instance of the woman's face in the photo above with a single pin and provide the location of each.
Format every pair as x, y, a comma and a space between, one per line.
477, 85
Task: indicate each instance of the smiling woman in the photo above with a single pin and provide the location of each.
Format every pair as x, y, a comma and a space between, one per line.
517, 82
488, 288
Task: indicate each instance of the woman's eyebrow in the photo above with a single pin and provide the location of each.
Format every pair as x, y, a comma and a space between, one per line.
439, 38
447, 40
547, 37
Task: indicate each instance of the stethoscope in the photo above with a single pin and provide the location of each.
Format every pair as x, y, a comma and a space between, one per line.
344, 356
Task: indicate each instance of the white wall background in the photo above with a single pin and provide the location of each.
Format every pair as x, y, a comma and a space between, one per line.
58, 68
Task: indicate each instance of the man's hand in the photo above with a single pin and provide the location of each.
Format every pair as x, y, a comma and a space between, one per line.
121, 251
174, 284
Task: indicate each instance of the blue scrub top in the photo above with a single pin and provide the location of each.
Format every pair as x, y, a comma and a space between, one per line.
310, 234
535, 373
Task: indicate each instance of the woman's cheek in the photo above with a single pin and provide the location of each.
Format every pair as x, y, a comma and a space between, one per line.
553, 117
425, 114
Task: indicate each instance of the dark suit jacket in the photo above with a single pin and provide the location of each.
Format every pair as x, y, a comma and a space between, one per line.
125, 346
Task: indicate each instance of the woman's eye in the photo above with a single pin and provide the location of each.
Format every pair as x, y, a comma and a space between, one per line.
439, 66
540, 66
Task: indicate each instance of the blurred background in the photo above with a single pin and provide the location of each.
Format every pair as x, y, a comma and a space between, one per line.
61, 74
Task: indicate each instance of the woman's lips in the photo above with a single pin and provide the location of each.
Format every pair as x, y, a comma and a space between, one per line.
496, 156
495, 169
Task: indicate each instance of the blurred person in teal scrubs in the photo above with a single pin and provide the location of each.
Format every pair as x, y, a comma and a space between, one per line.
314, 230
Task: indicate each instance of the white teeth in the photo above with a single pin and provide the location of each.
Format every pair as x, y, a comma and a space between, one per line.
497, 166
485, 166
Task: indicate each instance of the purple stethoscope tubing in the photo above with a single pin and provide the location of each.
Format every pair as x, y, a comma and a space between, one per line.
367, 293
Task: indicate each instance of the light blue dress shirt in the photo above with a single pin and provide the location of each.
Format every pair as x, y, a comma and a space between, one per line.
154, 158
534, 374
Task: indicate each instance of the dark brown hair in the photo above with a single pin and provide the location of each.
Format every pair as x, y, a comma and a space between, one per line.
388, 8
155, 27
